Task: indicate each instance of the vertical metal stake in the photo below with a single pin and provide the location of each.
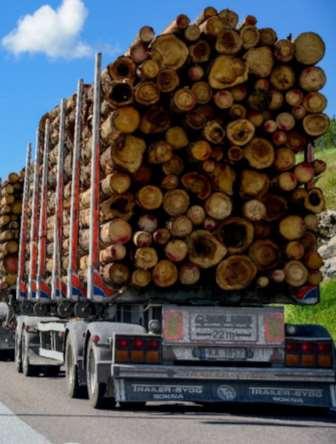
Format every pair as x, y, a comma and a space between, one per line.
21, 288
95, 183
33, 252
42, 288
73, 283
56, 279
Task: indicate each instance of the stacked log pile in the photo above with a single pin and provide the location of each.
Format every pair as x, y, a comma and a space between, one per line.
10, 215
200, 128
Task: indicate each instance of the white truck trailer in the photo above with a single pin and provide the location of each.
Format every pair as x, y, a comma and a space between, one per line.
135, 346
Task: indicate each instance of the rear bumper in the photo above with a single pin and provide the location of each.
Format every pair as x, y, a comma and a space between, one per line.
303, 387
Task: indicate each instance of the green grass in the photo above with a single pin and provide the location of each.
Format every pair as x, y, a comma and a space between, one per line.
328, 179
323, 314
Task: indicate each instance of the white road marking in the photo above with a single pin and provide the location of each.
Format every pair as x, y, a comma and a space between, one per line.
15, 431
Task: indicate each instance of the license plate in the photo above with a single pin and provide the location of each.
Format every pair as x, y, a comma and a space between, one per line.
224, 327
223, 354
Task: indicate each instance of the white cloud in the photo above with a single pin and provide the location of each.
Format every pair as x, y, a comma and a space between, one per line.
54, 32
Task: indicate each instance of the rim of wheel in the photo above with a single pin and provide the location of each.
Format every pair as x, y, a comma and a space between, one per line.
24, 355
70, 367
92, 372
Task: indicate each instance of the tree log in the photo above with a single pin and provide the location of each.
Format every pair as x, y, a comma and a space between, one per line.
227, 71
236, 234
296, 273
205, 250
235, 273
292, 227
165, 274
265, 254
189, 274
309, 48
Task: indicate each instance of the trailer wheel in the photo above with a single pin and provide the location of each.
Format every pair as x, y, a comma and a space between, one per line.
27, 368
71, 373
18, 354
96, 390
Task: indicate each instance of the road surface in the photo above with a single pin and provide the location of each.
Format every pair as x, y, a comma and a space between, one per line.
37, 411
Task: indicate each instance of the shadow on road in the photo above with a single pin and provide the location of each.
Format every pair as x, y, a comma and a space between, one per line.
228, 415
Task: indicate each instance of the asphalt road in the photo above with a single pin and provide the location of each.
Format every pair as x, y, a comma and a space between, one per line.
37, 411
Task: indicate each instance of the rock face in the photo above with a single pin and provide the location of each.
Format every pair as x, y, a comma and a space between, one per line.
327, 237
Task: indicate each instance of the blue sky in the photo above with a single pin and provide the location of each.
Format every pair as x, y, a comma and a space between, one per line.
33, 82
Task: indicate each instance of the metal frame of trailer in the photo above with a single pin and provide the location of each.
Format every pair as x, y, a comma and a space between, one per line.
84, 334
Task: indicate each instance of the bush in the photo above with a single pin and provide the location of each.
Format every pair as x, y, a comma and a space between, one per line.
323, 314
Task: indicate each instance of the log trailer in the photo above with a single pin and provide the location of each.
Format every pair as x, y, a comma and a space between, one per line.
135, 346
201, 124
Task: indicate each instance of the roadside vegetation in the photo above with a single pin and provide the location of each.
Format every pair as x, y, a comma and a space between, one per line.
325, 312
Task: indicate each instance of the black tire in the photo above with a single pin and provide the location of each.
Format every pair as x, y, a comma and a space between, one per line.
10, 355
132, 405
18, 354
52, 371
71, 374
27, 369
96, 390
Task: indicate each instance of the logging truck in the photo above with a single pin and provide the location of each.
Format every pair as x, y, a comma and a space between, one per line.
165, 218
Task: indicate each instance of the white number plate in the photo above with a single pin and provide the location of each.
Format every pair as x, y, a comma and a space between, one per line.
223, 354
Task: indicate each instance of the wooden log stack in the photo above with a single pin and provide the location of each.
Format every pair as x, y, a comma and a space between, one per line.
200, 131
10, 216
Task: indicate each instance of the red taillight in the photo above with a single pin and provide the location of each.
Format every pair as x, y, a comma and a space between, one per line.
309, 354
95, 339
153, 344
293, 347
324, 347
138, 344
137, 349
308, 347
122, 343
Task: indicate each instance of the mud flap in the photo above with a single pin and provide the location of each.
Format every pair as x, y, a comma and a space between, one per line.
313, 395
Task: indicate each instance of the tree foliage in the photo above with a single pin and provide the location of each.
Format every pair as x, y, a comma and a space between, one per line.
328, 140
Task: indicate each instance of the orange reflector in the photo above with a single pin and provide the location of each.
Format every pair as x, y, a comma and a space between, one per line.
137, 356
308, 360
293, 360
153, 357
324, 361
121, 356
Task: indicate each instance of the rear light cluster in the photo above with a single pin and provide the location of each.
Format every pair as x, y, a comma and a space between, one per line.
314, 354
137, 349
